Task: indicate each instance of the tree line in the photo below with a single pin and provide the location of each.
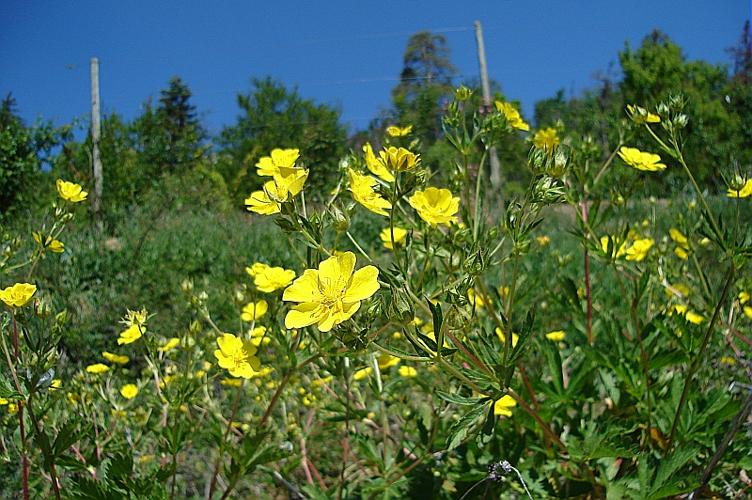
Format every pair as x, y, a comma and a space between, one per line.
168, 140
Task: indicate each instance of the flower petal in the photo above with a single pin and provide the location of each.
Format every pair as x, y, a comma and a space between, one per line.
363, 284
304, 289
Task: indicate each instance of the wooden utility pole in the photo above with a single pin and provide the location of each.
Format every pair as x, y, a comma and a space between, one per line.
96, 129
494, 159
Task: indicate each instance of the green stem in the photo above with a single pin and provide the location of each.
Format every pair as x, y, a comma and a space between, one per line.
716, 229
478, 179
699, 357
606, 164
454, 371
508, 329
282, 386
643, 362
360, 249
218, 462
21, 428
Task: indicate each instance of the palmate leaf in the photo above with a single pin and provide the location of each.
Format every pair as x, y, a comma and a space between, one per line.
666, 483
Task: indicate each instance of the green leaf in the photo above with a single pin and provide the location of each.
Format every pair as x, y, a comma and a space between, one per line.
460, 400
553, 360
438, 319
400, 353
65, 438
670, 465
466, 425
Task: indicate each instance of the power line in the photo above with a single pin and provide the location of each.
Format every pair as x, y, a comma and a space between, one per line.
387, 34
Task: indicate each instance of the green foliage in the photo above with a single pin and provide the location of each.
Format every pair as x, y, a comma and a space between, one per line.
715, 139
425, 85
22, 152
169, 137
554, 346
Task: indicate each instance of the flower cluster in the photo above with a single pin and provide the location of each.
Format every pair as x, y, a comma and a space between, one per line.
287, 181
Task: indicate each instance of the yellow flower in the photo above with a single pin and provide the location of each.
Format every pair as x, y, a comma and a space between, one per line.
679, 238
639, 249
693, 317
287, 183
399, 237
648, 162
115, 358
503, 338
375, 165
97, 368
512, 115
395, 131
279, 160
48, 242
322, 381
435, 206
681, 253
743, 297
546, 139
130, 334
70, 191
476, 300
237, 356
556, 336
169, 345
330, 295
256, 269
679, 287
387, 360
254, 310
361, 187
407, 371
135, 317
260, 203
641, 115
231, 382
362, 373
503, 406
129, 391
398, 159
258, 335
56, 383
679, 309
263, 372
728, 360
17, 295
3, 401
270, 279
743, 192
748, 311
543, 240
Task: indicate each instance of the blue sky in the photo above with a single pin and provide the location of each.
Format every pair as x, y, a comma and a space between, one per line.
345, 53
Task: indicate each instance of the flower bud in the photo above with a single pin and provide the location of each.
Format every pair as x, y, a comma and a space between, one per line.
736, 183
340, 221
463, 93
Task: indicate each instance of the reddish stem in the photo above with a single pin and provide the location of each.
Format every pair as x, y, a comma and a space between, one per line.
21, 428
